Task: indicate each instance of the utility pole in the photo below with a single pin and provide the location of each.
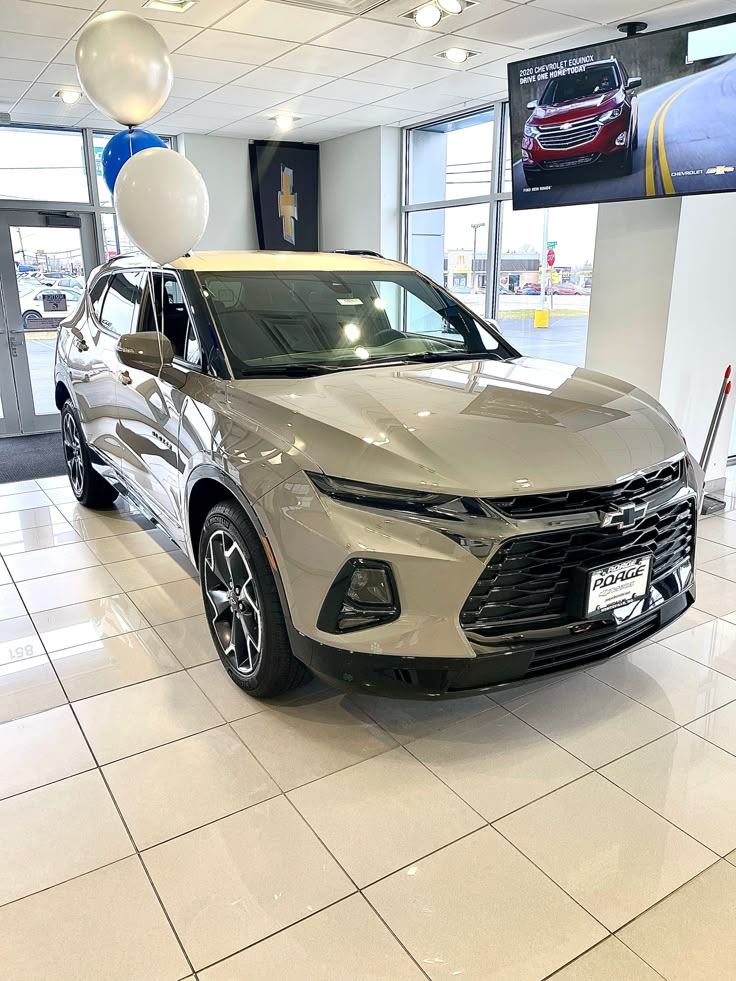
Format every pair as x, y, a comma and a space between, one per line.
543, 260
475, 226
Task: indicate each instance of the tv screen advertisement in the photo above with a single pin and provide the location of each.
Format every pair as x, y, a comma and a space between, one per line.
640, 117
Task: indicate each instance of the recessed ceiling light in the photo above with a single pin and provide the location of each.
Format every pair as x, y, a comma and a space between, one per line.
70, 97
451, 6
284, 121
428, 15
170, 6
456, 55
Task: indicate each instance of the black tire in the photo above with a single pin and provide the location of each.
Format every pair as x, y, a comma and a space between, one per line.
625, 166
31, 319
635, 137
244, 615
89, 488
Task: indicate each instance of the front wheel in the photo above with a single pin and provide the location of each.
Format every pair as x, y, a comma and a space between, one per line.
88, 486
31, 320
242, 606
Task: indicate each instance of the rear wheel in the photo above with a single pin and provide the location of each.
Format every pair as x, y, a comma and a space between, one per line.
31, 319
88, 486
243, 607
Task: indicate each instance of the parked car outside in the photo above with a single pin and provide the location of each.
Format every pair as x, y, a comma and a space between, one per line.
396, 508
34, 311
586, 119
567, 289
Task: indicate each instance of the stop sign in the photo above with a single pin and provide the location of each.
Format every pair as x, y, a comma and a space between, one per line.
551, 257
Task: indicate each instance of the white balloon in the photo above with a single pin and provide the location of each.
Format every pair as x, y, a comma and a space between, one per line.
124, 66
162, 203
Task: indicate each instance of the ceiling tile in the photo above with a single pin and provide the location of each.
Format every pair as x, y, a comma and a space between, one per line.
685, 12
29, 46
173, 104
187, 88
21, 71
602, 11
207, 69
52, 20
373, 115
60, 74
182, 122
347, 89
280, 80
525, 26
401, 73
203, 13
244, 48
209, 109
374, 37
53, 108
268, 19
248, 129
323, 61
102, 122
242, 95
395, 10
85, 4
314, 106
65, 56
417, 100
427, 53
498, 69
175, 34
11, 91
33, 116
45, 91
463, 85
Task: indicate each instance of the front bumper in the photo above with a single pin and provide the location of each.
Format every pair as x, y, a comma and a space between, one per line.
538, 158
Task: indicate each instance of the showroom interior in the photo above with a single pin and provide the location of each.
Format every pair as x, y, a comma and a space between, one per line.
306, 665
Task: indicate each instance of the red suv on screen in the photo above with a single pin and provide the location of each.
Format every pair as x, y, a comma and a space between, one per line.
580, 120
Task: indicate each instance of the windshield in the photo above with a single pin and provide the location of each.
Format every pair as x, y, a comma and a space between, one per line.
272, 321
584, 85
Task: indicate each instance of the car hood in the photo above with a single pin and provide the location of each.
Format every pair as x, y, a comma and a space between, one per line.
482, 428
568, 112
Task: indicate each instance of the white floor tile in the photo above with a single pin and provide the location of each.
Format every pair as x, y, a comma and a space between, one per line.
28, 685
591, 720
52, 592
407, 719
45, 562
46, 482
230, 701
19, 487
313, 949
692, 618
134, 546
717, 529
612, 854
60, 495
383, 814
242, 878
18, 640
189, 639
10, 503
479, 910
85, 623
724, 566
306, 739
183, 785
106, 924
496, 762
36, 517
174, 601
11, 605
164, 709
4, 574
40, 749
57, 832
103, 665
715, 595
707, 551
29, 539
712, 644
690, 936
152, 570
675, 686
609, 961
718, 727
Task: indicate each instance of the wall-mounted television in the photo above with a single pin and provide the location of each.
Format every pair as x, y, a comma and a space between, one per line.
640, 117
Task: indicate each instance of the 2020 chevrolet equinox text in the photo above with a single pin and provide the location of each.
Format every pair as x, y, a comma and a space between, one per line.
374, 485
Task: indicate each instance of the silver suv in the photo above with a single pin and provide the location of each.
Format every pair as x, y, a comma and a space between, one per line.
374, 485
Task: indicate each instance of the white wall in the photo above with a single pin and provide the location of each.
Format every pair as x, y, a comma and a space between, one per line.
223, 162
360, 191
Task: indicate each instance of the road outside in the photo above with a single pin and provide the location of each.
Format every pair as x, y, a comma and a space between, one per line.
41, 349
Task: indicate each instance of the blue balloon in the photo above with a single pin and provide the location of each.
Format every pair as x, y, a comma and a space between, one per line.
121, 148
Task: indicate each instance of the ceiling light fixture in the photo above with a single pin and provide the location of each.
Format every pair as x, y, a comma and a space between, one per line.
456, 55
284, 121
170, 6
451, 6
428, 15
70, 97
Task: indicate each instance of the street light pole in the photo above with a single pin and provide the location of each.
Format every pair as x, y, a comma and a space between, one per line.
475, 226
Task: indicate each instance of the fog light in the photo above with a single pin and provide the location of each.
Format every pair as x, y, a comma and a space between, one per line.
621, 139
363, 595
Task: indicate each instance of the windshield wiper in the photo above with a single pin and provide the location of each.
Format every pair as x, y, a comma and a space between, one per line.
427, 357
295, 370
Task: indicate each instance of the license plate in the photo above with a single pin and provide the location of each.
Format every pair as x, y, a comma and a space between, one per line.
617, 585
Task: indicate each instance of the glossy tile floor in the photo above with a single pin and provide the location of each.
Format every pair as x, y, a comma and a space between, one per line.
157, 824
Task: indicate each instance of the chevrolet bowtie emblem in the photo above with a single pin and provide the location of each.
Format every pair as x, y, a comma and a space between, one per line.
625, 516
288, 209
720, 170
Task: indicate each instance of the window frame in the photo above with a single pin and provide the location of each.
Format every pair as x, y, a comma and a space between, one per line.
203, 367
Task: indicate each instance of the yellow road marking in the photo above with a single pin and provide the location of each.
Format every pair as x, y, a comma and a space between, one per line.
657, 127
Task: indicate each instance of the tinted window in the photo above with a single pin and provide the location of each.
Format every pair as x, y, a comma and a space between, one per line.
96, 294
168, 313
120, 302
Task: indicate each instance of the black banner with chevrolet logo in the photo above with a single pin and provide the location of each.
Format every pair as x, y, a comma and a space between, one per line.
285, 181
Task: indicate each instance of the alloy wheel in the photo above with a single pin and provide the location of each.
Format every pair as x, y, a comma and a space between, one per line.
235, 607
73, 453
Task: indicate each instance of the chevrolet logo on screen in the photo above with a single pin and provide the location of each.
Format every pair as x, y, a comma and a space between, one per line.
288, 208
625, 516
720, 170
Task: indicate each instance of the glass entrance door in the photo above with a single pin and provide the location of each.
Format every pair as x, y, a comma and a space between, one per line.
44, 263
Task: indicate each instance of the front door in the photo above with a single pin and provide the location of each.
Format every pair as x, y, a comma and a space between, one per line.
45, 259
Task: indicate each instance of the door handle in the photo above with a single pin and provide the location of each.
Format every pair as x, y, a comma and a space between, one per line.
81, 345
125, 378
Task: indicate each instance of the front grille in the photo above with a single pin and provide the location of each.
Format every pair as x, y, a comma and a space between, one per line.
568, 163
595, 499
568, 135
526, 584
592, 646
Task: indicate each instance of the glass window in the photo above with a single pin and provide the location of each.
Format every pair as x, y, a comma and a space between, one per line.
192, 350
450, 245
451, 159
318, 321
116, 242
99, 142
42, 164
96, 293
120, 302
522, 311
167, 313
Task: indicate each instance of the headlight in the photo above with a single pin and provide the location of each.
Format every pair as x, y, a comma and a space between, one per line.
606, 117
376, 495
531, 131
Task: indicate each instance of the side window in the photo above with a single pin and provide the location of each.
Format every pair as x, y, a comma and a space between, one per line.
96, 294
120, 302
168, 313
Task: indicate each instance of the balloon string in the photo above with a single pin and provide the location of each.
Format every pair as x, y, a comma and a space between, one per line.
152, 288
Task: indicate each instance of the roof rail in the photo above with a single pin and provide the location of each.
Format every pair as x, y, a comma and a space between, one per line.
368, 252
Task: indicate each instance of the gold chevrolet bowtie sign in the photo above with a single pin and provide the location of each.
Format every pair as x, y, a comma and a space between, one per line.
288, 208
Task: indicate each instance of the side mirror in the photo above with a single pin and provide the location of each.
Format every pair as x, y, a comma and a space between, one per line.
634, 82
532, 105
147, 351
